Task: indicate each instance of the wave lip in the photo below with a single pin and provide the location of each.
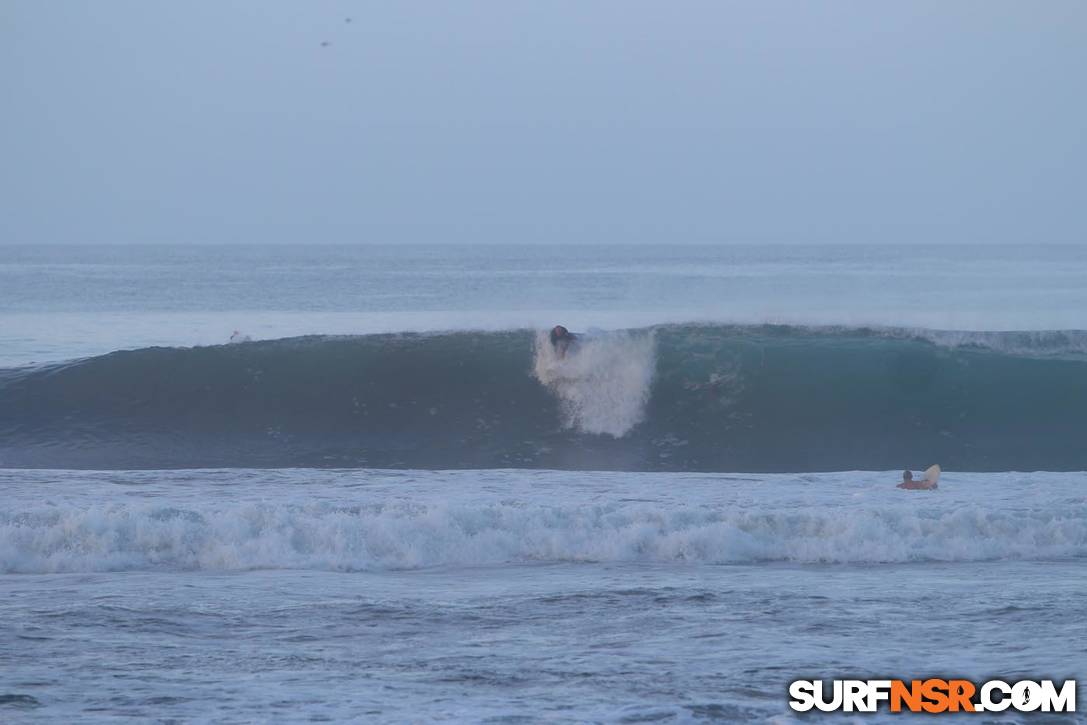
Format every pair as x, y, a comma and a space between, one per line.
676, 397
121, 537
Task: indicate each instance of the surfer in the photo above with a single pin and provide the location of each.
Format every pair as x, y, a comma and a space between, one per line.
908, 482
561, 339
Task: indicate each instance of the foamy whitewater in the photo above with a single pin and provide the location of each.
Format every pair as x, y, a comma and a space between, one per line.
603, 385
393, 501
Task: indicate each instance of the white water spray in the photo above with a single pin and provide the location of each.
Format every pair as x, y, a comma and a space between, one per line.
603, 382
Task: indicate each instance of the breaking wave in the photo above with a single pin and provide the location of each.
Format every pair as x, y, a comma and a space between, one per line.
676, 397
115, 537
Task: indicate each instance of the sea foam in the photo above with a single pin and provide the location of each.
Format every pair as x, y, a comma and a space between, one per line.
254, 535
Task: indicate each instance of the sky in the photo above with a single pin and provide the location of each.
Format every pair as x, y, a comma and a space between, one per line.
145, 121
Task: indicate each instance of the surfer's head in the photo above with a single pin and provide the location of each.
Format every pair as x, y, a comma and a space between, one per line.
907, 476
559, 333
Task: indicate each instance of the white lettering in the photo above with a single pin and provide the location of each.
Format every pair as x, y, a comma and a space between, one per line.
802, 692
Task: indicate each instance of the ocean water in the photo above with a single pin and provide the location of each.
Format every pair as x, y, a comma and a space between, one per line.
62, 302
243, 594
393, 502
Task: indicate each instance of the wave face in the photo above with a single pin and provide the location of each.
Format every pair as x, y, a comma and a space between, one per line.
681, 397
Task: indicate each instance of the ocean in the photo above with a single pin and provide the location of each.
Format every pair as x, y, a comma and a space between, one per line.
388, 499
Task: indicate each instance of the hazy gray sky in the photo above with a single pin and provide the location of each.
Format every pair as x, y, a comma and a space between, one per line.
144, 121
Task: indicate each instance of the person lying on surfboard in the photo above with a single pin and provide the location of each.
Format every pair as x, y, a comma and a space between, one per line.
562, 339
908, 482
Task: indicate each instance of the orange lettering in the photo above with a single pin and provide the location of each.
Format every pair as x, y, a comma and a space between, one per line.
935, 692
911, 696
959, 694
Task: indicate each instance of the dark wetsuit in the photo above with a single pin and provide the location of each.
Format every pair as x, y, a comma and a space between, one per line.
561, 339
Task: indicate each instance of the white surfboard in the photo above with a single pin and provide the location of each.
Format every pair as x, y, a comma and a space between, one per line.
932, 474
